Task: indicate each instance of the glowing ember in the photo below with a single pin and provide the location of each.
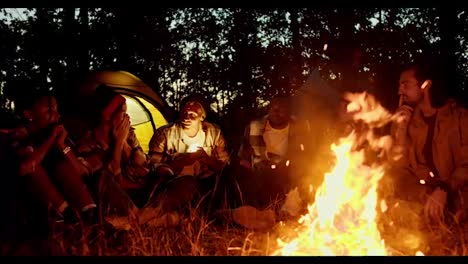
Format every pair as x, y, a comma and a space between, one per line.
342, 221
287, 163
425, 84
308, 126
383, 206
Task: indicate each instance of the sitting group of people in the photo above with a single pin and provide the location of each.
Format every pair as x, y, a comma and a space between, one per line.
103, 173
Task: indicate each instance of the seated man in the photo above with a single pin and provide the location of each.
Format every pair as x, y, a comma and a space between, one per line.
52, 171
432, 139
191, 147
269, 147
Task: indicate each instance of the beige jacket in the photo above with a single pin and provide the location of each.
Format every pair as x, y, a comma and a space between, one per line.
449, 145
167, 142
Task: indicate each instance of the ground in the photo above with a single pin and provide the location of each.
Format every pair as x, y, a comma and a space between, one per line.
195, 236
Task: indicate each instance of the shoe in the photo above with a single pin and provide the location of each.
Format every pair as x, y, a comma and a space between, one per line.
252, 218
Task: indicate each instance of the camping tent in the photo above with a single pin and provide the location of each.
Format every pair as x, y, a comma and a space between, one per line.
147, 110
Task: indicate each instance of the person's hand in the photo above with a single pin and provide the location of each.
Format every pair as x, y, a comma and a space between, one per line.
121, 129
60, 136
53, 132
403, 114
399, 130
435, 205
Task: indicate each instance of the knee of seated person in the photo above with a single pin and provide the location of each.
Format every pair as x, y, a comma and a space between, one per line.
163, 170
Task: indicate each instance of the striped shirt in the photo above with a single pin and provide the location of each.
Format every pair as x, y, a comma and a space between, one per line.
253, 148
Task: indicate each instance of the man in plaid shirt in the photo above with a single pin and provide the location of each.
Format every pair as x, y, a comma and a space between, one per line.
268, 150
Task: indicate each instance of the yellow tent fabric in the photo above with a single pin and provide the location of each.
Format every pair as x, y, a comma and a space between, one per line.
147, 110
142, 116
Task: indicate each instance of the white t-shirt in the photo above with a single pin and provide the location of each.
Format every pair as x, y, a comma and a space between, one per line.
191, 144
276, 140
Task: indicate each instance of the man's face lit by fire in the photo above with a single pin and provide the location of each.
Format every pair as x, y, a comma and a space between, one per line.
410, 89
191, 115
279, 112
44, 112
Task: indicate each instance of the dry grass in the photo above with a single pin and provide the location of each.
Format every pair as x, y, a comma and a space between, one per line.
196, 235
406, 231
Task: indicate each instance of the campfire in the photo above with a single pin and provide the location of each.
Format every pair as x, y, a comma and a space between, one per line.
342, 220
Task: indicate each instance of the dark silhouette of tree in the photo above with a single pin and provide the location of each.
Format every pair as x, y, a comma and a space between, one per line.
236, 58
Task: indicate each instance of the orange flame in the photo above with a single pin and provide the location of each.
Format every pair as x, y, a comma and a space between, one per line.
342, 221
